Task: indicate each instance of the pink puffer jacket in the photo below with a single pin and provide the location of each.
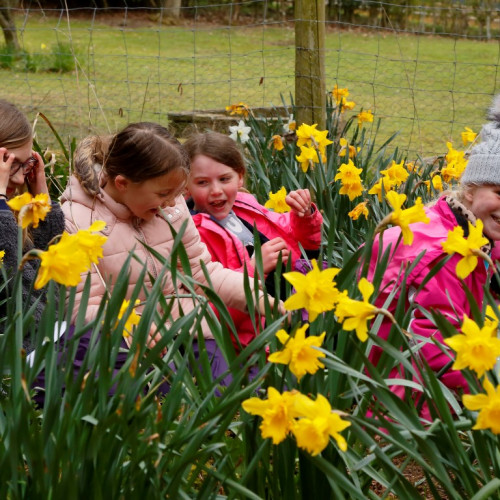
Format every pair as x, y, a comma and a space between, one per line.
444, 292
126, 232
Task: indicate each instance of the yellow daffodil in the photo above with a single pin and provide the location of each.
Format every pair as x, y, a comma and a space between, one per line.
31, 210
468, 136
90, 243
347, 149
2, 255
277, 141
339, 94
413, 168
299, 352
384, 184
403, 218
437, 183
345, 104
357, 312
455, 164
307, 158
469, 248
132, 319
307, 135
365, 117
316, 423
277, 201
72, 255
488, 406
277, 413
396, 173
349, 176
62, 262
359, 210
476, 348
315, 291
238, 109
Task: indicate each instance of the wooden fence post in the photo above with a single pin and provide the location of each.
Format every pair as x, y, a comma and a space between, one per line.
310, 93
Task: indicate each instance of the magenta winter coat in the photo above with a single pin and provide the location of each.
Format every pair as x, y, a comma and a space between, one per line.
443, 292
228, 249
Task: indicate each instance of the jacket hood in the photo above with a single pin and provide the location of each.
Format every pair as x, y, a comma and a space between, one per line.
75, 193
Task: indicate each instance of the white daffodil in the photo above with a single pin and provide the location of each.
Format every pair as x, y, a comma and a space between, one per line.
240, 131
290, 125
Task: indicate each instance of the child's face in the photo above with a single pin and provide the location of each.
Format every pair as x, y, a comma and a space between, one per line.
144, 199
22, 154
484, 203
213, 186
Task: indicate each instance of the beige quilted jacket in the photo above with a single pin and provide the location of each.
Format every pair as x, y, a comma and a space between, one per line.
126, 232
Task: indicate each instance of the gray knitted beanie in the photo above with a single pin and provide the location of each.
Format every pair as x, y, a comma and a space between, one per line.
484, 159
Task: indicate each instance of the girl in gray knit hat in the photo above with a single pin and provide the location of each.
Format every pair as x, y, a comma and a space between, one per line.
445, 292
481, 180
22, 169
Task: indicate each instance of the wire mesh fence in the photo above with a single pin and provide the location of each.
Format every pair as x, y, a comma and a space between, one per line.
425, 70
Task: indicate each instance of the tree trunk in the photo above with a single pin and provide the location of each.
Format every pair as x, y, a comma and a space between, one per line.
172, 7
8, 25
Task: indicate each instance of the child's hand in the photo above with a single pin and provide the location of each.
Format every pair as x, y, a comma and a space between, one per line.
270, 254
300, 202
154, 337
261, 305
36, 180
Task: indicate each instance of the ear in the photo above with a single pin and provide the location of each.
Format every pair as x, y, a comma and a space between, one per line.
240, 181
121, 183
469, 195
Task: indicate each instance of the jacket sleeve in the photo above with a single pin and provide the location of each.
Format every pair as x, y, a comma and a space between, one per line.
223, 248
51, 226
306, 230
46, 230
443, 293
228, 284
8, 236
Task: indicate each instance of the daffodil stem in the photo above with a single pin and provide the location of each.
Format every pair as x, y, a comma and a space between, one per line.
382, 225
18, 341
387, 314
32, 254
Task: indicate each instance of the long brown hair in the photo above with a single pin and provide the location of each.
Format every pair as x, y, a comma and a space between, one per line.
15, 129
141, 151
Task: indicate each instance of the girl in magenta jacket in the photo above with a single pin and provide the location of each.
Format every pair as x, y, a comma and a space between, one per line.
225, 216
478, 198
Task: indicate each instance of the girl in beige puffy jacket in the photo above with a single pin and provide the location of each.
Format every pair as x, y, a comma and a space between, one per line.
125, 180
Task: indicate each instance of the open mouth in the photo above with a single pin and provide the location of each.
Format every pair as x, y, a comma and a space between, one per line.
218, 204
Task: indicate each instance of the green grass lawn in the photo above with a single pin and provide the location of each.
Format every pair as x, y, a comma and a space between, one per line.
426, 88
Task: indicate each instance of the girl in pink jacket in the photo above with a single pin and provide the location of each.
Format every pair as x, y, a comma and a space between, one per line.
125, 180
478, 198
226, 217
